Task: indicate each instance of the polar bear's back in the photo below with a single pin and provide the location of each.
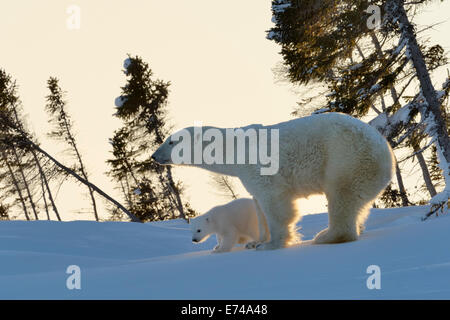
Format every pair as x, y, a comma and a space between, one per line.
319, 147
329, 125
353, 144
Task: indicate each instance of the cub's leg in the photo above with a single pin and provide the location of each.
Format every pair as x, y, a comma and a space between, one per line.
229, 240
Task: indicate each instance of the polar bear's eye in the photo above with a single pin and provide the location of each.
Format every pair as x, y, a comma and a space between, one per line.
171, 142
198, 230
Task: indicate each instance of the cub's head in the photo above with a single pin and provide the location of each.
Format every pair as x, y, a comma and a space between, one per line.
200, 228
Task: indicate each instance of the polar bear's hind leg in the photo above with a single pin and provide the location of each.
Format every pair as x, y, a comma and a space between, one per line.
349, 202
344, 222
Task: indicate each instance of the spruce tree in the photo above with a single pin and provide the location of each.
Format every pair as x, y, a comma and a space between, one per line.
14, 159
14, 134
149, 188
63, 131
367, 71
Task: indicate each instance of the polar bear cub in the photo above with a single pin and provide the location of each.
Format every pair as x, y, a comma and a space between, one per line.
237, 222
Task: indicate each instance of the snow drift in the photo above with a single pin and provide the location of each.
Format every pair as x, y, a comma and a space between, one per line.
122, 260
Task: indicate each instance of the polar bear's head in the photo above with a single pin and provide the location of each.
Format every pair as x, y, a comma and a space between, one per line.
178, 148
201, 228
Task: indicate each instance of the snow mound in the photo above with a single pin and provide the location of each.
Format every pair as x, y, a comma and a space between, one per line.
122, 260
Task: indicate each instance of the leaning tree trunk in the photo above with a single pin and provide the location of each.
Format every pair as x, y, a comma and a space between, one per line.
401, 187
398, 173
45, 199
21, 127
25, 182
80, 162
45, 181
83, 172
395, 99
437, 124
83, 181
425, 172
16, 185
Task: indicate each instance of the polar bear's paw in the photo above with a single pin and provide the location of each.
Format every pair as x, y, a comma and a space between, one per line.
325, 236
252, 245
271, 245
217, 249
361, 229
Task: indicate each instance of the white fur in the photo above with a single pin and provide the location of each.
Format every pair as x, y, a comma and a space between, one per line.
233, 223
332, 154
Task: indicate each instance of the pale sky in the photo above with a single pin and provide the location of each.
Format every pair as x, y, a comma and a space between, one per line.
214, 53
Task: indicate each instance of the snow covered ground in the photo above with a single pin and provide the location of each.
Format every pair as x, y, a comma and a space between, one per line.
158, 261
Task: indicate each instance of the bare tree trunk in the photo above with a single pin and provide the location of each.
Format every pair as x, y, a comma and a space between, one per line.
398, 173
438, 124
44, 198
16, 185
82, 169
401, 186
84, 181
45, 181
395, 99
83, 172
425, 172
19, 164
25, 182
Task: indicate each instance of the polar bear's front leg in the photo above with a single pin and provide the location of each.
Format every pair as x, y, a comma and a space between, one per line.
264, 234
281, 218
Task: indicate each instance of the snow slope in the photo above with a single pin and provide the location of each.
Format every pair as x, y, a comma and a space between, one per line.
158, 261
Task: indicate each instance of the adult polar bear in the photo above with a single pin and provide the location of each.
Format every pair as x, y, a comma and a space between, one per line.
332, 154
